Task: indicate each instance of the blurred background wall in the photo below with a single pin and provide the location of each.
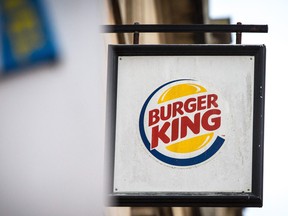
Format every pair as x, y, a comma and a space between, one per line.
52, 119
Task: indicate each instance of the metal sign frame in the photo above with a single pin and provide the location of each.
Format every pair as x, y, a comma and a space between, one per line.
254, 198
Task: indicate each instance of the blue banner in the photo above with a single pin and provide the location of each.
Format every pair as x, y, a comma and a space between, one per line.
25, 34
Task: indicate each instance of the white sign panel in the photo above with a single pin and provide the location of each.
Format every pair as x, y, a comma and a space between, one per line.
184, 123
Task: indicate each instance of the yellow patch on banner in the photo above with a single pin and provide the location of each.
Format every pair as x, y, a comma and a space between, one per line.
180, 90
190, 145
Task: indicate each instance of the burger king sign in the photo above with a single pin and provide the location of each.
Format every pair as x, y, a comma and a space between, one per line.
185, 125
180, 122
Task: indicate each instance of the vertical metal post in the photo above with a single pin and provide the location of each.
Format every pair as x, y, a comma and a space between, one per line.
136, 35
239, 35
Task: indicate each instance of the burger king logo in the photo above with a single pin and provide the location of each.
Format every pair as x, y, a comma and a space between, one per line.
180, 123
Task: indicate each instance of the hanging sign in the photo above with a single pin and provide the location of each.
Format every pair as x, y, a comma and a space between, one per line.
185, 125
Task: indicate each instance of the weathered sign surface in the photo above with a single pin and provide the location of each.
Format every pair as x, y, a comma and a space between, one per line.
187, 121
